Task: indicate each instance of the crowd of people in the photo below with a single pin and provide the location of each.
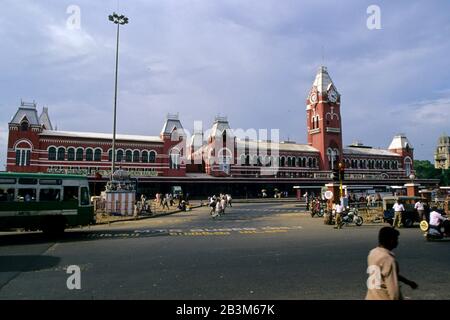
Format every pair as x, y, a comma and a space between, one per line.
219, 203
164, 201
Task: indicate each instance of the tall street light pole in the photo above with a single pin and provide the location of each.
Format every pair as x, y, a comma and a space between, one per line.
119, 20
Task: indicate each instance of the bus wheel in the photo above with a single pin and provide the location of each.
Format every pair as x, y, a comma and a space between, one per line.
54, 226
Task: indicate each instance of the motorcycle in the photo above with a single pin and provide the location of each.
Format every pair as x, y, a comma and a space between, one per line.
317, 209
351, 215
435, 233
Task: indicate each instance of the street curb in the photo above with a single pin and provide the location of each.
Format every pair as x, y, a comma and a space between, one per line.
265, 200
145, 217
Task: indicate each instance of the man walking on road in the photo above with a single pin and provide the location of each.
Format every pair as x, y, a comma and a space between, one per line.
398, 209
383, 269
420, 210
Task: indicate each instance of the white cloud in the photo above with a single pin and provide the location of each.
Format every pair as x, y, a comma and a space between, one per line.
65, 43
432, 112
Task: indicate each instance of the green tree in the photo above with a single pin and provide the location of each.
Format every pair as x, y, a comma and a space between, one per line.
426, 170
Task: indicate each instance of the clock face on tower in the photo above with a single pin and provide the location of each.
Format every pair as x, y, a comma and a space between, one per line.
313, 98
332, 95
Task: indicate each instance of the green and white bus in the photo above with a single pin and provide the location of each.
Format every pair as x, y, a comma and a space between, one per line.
47, 202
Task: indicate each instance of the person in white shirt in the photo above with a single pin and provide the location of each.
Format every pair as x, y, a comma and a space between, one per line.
339, 210
398, 209
436, 218
420, 210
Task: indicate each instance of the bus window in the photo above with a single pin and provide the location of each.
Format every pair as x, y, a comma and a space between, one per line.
7, 181
6, 195
70, 193
50, 181
49, 195
84, 196
26, 195
27, 181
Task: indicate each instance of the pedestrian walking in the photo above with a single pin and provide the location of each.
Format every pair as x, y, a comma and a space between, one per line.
420, 210
229, 199
339, 212
398, 211
383, 269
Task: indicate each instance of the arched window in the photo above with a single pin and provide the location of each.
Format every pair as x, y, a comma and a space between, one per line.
61, 154
145, 156
52, 153
89, 155
282, 161
310, 163
23, 156
110, 155
152, 157
128, 156
174, 159
314, 163
408, 166
79, 155
98, 155
136, 156
242, 160
119, 157
268, 160
71, 154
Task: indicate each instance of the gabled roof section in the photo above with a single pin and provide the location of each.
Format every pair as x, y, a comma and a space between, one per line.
28, 111
172, 122
400, 142
44, 119
219, 126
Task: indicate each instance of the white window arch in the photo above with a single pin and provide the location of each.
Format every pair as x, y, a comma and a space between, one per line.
23, 153
98, 154
152, 156
79, 154
174, 159
61, 154
408, 166
136, 155
89, 154
225, 156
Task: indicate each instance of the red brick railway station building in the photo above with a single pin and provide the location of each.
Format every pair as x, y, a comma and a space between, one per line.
218, 161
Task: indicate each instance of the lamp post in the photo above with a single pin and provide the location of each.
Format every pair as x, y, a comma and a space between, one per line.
119, 20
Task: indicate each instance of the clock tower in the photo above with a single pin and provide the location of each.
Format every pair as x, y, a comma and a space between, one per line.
323, 118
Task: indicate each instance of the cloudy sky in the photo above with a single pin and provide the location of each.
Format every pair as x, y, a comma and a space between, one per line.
251, 60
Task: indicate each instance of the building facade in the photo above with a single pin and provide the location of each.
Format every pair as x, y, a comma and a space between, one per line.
442, 153
221, 155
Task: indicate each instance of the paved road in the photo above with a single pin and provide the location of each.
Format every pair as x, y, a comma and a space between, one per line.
254, 251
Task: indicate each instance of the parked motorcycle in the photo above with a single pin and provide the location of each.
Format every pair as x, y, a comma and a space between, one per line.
351, 215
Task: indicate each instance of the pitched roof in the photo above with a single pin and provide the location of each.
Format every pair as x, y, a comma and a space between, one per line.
322, 80
27, 111
267, 145
369, 152
96, 135
400, 142
44, 119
